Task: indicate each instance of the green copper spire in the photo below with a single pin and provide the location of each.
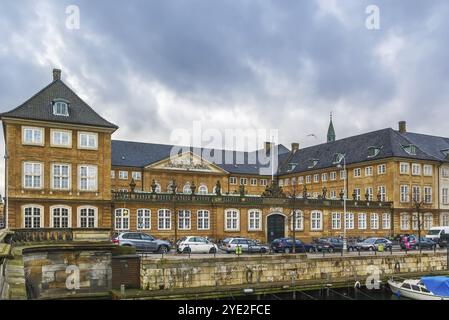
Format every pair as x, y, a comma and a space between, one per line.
331, 131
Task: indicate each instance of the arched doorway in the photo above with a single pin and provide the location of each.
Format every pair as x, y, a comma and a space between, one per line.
275, 226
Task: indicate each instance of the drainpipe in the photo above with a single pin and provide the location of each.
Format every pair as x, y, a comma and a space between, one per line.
6, 211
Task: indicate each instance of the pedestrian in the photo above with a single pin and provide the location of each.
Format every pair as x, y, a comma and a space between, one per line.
406, 243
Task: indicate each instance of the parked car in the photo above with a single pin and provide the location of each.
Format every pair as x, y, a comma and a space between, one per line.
195, 244
425, 243
333, 244
372, 244
435, 233
286, 245
141, 241
247, 245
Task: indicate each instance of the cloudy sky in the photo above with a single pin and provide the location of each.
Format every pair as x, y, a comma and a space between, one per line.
155, 66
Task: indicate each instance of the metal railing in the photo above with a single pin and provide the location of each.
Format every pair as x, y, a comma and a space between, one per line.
238, 199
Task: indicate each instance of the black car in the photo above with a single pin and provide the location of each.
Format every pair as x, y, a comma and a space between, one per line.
414, 244
333, 244
286, 245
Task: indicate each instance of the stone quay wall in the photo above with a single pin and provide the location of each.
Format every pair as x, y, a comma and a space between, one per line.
59, 271
157, 274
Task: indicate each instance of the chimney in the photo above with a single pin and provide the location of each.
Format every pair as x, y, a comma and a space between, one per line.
56, 74
402, 127
295, 147
267, 147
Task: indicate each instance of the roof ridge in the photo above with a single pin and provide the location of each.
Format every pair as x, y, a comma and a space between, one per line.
411, 142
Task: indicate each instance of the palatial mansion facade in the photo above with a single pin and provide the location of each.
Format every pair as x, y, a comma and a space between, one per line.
64, 171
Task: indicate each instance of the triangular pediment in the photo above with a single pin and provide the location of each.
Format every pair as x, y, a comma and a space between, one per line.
186, 161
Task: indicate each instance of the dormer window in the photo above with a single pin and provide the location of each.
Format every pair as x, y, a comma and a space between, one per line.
291, 166
337, 158
410, 149
312, 163
60, 108
373, 151
445, 152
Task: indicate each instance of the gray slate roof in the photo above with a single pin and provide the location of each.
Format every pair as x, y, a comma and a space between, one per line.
432, 145
138, 154
39, 107
388, 140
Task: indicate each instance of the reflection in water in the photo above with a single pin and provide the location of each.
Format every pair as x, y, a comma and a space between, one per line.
384, 293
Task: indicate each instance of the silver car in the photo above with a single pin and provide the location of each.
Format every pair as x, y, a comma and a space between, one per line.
373, 244
247, 245
142, 242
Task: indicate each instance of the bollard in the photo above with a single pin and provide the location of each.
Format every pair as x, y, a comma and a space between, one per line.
122, 290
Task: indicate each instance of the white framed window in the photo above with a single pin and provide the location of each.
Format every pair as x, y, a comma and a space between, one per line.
203, 220
233, 180
121, 219
301, 180
143, 219
333, 194
427, 170
123, 175
368, 171
415, 221
386, 221
243, 181
416, 169
316, 220
333, 176
87, 140
60, 108
316, 178
60, 217
342, 174
416, 193
362, 221
87, 217
404, 168
324, 177
112, 174
445, 195
369, 193
382, 191
232, 220
405, 221
445, 172
308, 179
202, 189
286, 182
444, 219
33, 175
293, 181
254, 220
136, 175
33, 216
382, 169
163, 219
87, 177
60, 176
357, 172
428, 194
349, 220
404, 193
357, 194
374, 223
263, 182
33, 136
298, 220
61, 138
336, 220
187, 189
184, 220
281, 182
253, 181
428, 221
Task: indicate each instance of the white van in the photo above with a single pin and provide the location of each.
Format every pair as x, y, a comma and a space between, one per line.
435, 232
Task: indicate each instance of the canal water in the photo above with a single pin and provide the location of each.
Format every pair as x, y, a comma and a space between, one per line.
350, 293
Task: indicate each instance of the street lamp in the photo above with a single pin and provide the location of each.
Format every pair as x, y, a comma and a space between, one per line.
294, 217
343, 157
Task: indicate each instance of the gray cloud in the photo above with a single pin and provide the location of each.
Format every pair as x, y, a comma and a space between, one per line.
153, 66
